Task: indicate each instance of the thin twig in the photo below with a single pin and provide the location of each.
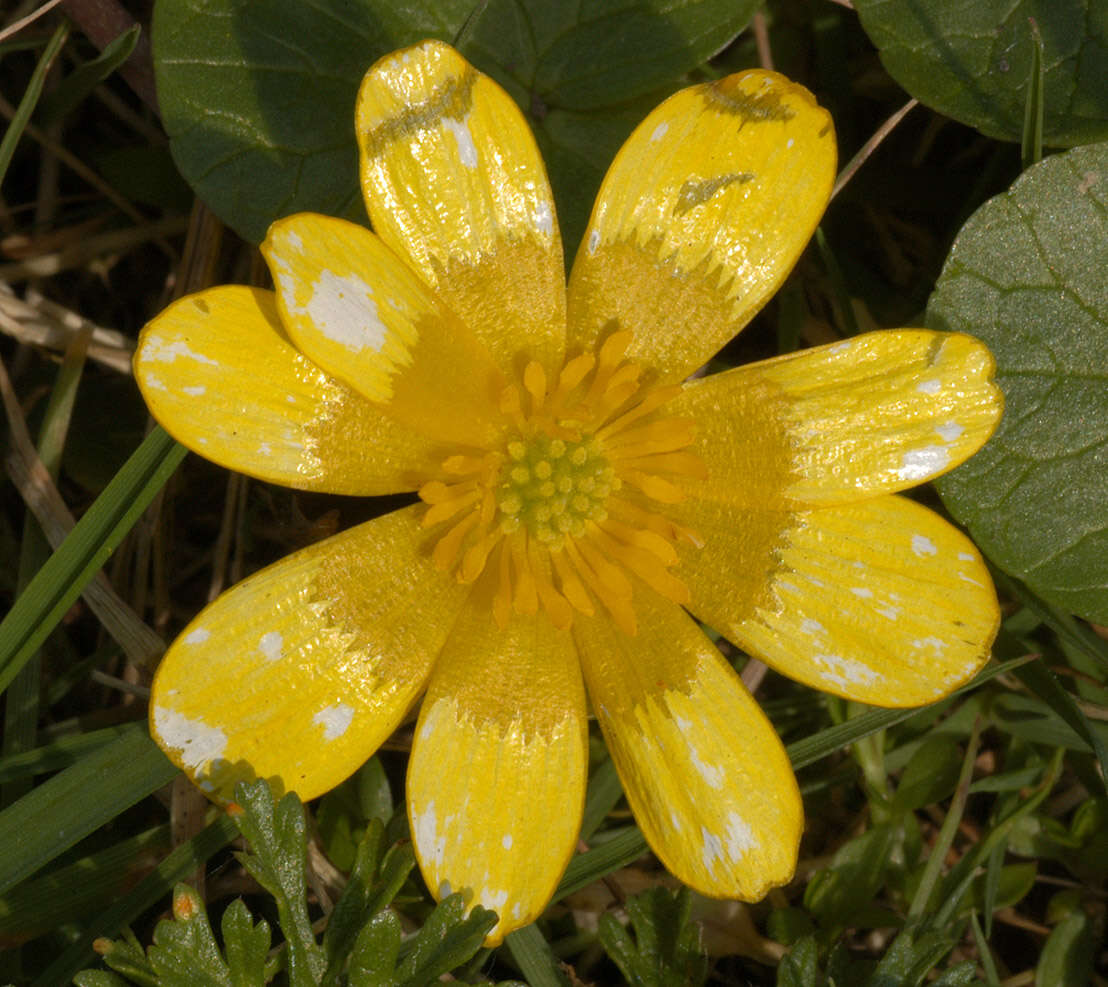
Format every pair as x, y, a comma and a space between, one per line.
870, 146
30, 18
761, 40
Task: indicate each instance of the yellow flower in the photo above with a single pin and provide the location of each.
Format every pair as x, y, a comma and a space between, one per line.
578, 493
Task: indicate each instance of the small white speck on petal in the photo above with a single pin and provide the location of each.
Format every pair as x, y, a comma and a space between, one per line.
838, 347
194, 392
937, 644
335, 720
544, 218
270, 645
740, 837
594, 241
862, 592
929, 386
809, 626
890, 612
506, 842
495, 900
712, 851
198, 636
966, 557
264, 449
659, 131
922, 545
709, 772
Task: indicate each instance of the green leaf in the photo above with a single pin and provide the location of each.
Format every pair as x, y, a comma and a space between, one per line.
448, 938
930, 776
76, 801
535, 958
278, 848
76, 86
973, 61
666, 948
1034, 498
799, 967
185, 953
373, 959
245, 944
258, 95
836, 894
1067, 957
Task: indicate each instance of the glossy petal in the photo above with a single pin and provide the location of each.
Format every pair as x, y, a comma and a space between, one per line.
298, 673
496, 782
702, 215
455, 185
841, 423
361, 314
218, 372
883, 602
703, 770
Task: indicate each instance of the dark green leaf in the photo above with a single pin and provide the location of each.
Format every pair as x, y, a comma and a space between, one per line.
1067, 957
1015, 280
185, 953
852, 880
373, 959
973, 61
535, 958
245, 944
930, 776
666, 948
448, 938
278, 844
800, 965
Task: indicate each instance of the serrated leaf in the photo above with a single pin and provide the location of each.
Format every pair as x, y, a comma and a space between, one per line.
278, 844
973, 61
1034, 498
373, 959
448, 938
666, 949
185, 953
245, 944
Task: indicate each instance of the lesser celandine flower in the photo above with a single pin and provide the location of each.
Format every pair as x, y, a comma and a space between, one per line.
581, 500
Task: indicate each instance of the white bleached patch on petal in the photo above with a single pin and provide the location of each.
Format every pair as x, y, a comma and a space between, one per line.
712, 851
659, 131
194, 392
153, 383
845, 671
966, 557
264, 449
270, 645
594, 241
506, 841
922, 545
426, 836
494, 900
740, 837
335, 720
950, 431
891, 612
467, 150
709, 772
809, 626
343, 310
861, 592
935, 643
155, 349
929, 386
197, 743
919, 464
839, 347
198, 636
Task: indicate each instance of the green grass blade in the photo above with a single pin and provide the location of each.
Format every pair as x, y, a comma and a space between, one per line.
81, 555
78, 800
1031, 145
535, 958
62, 753
147, 893
30, 97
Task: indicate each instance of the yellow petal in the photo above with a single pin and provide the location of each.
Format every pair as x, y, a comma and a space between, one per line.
218, 372
298, 673
362, 315
844, 422
702, 215
496, 782
455, 185
703, 769
883, 602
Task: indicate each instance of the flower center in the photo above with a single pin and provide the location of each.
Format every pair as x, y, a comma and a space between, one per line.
573, 503
553, 488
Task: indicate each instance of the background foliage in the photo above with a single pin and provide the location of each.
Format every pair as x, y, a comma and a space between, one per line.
966, 843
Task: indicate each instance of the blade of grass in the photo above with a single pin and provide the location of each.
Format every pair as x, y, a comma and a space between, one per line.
30, 97
62, 753
85, 550
604, 792
78, 800
147, 893
535, 958
1031, 145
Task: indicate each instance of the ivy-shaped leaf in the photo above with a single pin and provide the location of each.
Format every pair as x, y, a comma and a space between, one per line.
1026, 275
258, 95
973, 61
